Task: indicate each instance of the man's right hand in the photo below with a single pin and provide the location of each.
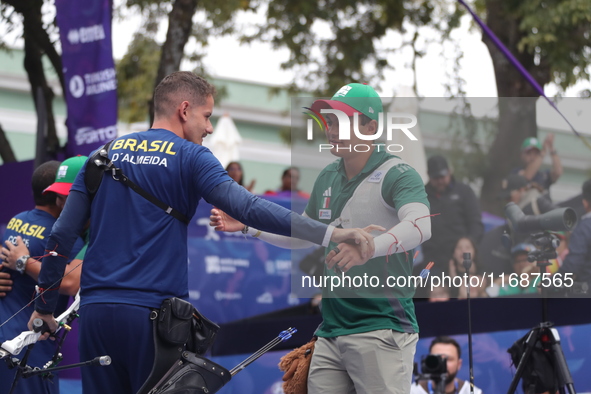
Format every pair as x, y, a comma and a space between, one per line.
5, 283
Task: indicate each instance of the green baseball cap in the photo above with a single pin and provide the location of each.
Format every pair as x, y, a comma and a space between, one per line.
531, 142
353, 98
66, 173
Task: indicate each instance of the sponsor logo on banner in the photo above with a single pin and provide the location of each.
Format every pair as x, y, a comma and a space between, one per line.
100, 81
265, 298
221, 295
88, 135
76, 86
86, 34
224, 265
278, 267
93, 83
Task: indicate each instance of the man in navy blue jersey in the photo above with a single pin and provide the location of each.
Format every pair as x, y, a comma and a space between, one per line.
33, 228
137, 254
24, 243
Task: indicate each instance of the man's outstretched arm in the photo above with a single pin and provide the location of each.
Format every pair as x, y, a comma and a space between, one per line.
247, 208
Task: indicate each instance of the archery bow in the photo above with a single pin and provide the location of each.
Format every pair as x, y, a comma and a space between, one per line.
27, 339
16, 345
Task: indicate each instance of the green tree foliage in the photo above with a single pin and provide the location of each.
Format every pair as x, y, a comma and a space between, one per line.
551, 39
215, 19
333, 41
559, 36
136, 73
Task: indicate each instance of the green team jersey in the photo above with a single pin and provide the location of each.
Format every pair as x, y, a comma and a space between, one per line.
82, 253
349, 311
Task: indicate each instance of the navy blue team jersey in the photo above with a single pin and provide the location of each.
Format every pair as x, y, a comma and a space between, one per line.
34, 227
137, 253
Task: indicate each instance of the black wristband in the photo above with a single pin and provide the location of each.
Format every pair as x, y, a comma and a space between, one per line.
43, 312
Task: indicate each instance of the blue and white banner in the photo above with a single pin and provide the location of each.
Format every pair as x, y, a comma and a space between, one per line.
232, 276
89, 72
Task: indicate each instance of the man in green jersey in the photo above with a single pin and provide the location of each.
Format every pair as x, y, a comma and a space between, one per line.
366, 342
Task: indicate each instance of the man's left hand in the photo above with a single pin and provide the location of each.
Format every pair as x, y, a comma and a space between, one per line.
347, 255
357, 236
51, 323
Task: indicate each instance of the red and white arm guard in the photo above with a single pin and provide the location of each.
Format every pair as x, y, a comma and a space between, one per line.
414, 229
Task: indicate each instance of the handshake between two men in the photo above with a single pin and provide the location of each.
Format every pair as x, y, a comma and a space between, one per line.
355, 246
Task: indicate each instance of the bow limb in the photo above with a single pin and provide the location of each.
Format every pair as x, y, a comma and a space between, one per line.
16, 345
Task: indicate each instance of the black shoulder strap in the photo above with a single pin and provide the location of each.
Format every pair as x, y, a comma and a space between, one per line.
99, 163
93, 174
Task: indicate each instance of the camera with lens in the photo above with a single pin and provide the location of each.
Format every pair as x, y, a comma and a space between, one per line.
433, 364
540, 228
560, 219
434, 367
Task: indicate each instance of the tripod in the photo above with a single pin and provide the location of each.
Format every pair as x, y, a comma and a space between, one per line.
544, 333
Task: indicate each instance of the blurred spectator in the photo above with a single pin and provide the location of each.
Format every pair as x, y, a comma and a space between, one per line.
456, 269
578, 260
527, 195
236, 172
459, 214
289, 185
513, 284
494, 255
532, 156
456, 266
561, 252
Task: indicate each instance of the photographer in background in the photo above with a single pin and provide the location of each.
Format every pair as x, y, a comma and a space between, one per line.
450, 350
578, 259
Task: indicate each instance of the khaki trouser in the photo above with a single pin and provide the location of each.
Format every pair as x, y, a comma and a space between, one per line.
373, 362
